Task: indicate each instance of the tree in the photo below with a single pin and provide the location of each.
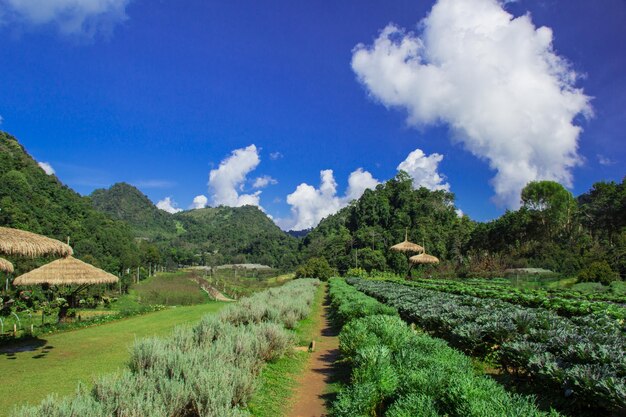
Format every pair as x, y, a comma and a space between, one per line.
551, 204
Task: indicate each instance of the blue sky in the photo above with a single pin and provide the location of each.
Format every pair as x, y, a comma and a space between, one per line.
159, 93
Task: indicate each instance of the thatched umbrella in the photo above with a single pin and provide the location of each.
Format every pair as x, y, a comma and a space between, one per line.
23, 243
424, 258
407, 248
6, 266
66, 271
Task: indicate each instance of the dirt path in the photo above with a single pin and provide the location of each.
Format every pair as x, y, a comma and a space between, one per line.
310, 397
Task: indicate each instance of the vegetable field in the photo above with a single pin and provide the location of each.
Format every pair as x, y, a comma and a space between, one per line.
398, 372
580, 359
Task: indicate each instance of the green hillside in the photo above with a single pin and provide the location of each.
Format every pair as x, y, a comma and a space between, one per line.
32, 200
211, 236
360, 234
237, 235
125, 202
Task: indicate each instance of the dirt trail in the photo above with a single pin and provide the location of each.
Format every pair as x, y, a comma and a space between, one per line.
310, 397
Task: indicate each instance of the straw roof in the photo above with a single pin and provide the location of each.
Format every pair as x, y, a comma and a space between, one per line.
407, 246
6, 266
423, 258
66, 271
23, 243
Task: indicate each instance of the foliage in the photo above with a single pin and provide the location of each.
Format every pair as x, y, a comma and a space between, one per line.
563, 302
397, 372
209, 236
581, 358
315, 268
34, 201
360, 235
599, 271
208, 369
170, 289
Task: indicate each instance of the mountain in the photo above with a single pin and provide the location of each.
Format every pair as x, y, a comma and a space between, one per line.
360, 234
125, 202
237, 235
211, 235
34, 201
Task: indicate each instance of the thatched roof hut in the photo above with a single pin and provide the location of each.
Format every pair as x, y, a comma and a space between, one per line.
6, 266
23, 243
66, 271
423, 258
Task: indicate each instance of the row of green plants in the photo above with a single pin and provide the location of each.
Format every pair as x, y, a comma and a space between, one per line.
398, 372
565, 303
615, 292
209, 369
580, 360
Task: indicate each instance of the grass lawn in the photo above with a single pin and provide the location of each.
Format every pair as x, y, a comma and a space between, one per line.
56, 363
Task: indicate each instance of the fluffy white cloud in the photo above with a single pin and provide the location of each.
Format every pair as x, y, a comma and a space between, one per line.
169, 205
275, 155
358, 182
423, 170
264, 181
46, 167
228, 179
199, 201
84, 17
494, 79
309, 205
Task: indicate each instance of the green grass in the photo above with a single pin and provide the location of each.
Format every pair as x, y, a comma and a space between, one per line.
279, 379
171, 288
30, 370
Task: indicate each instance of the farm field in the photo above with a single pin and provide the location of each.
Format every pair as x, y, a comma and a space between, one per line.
577, 362
397, 371
56, 363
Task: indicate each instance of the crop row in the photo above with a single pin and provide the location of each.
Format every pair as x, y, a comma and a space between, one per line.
563, 305
206, 370
582, 357
397, 372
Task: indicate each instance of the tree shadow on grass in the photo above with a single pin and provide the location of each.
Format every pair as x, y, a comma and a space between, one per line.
34, 344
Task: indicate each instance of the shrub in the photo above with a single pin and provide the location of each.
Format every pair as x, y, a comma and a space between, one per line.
599, 271
316, 268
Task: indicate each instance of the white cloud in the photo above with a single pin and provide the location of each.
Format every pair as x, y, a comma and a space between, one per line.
71, 17
228, 179
169, 205
264, 181
275, 155
309, 205
423, 170
199, 201
495, 80
46, 167
603, 160
358, 182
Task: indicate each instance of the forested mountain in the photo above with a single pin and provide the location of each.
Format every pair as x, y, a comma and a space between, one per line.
211, 236
32, 200
551, 230
125, 202
360, 234
235, 235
